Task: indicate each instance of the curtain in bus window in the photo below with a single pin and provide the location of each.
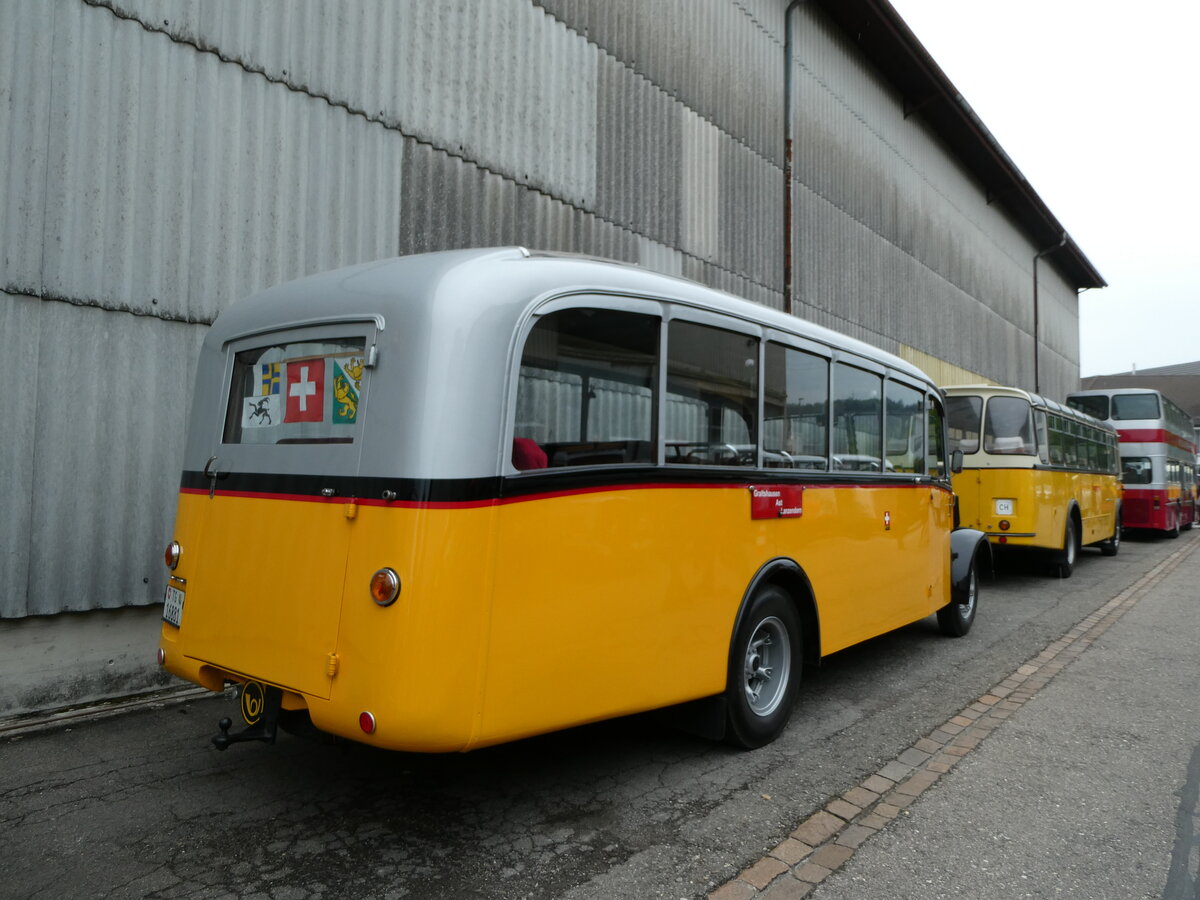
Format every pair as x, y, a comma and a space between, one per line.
795, 409
857, 419
963, 417
904, 425
712, 396
586, 394
1009, 426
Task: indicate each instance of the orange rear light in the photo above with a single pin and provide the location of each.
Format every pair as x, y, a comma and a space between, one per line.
385, 586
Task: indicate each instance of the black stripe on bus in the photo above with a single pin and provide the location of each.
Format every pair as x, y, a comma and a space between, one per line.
476, 490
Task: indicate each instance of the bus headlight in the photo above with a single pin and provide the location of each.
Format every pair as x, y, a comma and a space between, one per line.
171, 555
385, 586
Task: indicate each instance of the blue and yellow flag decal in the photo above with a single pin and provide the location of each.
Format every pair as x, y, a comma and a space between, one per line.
268, 379
345, 393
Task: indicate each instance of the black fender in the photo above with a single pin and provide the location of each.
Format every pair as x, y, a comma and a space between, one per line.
965, 545
788, 574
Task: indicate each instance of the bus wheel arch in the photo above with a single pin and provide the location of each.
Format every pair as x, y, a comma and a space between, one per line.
773, 634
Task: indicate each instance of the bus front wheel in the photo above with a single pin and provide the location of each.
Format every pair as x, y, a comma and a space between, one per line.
955, 618
764, 669
1065, 564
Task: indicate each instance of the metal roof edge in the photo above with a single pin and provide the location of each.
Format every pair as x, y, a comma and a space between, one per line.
877, 27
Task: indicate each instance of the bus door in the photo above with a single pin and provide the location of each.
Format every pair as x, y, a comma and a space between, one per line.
272, 530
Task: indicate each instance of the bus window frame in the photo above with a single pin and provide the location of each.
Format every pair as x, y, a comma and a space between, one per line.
795, 346
255, 457
854, 361
615, 302
684, 313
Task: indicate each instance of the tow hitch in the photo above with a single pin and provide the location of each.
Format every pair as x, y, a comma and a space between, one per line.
260, 706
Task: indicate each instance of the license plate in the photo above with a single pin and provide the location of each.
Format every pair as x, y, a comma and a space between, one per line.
173, 605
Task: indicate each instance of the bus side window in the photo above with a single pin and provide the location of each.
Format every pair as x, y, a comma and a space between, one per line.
587, 390
936, 460
795, 409
1058, 437
857, 419
712, 396
905, 429
1043, 440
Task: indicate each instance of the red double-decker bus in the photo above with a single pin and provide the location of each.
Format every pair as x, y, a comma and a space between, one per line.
1158, 455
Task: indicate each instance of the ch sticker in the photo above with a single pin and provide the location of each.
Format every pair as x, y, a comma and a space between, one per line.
254, 701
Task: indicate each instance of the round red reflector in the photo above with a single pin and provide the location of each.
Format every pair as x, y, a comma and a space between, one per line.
366, 722
1003, 539
1004, 526
171, 554
385, 587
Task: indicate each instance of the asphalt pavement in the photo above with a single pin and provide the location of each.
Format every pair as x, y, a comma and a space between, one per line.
1078, 776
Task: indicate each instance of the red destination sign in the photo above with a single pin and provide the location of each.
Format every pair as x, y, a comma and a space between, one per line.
776, 501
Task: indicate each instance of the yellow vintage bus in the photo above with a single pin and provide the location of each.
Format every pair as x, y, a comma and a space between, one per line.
454, 499
1036, 473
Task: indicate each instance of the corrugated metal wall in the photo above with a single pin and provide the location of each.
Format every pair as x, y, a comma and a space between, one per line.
162, 158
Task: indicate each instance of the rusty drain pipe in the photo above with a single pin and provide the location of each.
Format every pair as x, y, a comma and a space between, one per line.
788, 145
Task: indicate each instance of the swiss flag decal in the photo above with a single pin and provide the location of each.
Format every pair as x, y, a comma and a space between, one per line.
305, 391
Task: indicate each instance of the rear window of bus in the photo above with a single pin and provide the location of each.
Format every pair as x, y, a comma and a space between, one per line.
302, 392
963, 416
1096, 407
1135, 406
1009, 427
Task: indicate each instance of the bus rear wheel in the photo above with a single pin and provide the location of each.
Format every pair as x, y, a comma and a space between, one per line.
764, 669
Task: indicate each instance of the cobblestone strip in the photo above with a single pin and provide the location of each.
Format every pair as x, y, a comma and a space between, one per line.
827, 839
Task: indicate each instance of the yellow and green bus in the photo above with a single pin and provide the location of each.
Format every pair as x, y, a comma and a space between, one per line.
454, 499
1036, 473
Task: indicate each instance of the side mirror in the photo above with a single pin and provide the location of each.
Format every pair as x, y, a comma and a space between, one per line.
956, 461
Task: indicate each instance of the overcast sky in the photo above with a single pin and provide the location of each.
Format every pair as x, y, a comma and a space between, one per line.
1098, 104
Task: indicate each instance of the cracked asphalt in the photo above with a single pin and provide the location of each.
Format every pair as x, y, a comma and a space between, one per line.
141, 805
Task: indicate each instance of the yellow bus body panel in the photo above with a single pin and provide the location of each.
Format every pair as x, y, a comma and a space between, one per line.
622, 601
520, 617
1041, 499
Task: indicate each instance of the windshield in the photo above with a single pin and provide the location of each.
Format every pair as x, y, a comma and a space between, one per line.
305, 392
1097, 407
1009, 427
1135, 406
962, 418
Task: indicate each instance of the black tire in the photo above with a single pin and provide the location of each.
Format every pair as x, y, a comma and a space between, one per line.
1173, 531
957, 616
764, 669
1064, 563
1113, 544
